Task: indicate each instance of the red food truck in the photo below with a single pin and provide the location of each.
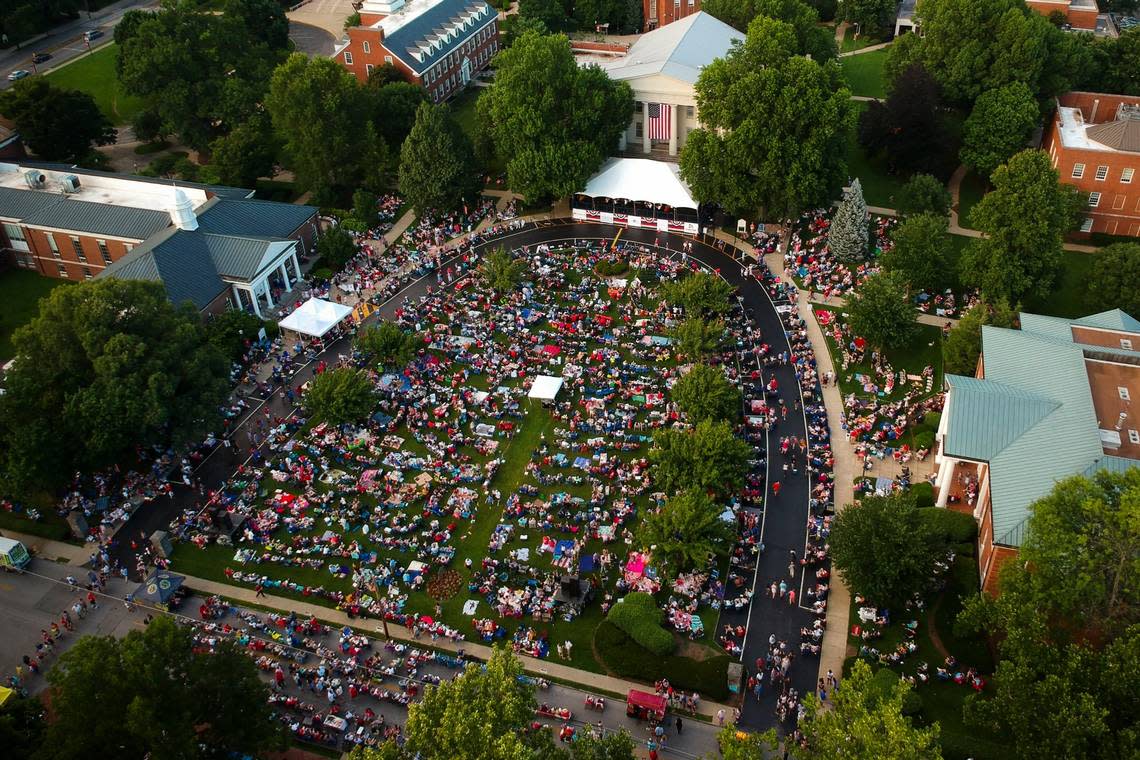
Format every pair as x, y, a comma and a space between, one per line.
645, 706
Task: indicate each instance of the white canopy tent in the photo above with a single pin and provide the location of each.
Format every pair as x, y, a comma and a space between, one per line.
545, 388
315, 317
641, 179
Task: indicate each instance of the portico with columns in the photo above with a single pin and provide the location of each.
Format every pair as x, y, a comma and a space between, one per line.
280, 269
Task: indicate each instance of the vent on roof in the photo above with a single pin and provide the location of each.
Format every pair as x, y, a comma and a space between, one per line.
69, 183
1128, 111
35, 179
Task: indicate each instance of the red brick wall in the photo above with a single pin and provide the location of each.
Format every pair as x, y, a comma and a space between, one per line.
47, 263
1078, 18
667, 11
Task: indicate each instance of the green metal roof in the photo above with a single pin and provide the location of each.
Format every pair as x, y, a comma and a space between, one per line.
1113, 319
1111, 464
988, 416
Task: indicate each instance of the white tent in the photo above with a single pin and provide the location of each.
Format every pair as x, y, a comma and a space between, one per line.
641, 179
545, 388
315, 317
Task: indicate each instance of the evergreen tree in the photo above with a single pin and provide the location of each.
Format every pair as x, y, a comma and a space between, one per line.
847, 237
437, 167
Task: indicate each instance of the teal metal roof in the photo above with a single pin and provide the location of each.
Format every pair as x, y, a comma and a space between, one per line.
988, 416
1111, 464
1061, 329
1113, 319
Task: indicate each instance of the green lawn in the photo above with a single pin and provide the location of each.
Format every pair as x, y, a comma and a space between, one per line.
1068, 296
864, 73
20, 293
971, 191
95, 74
850, 43
880, 188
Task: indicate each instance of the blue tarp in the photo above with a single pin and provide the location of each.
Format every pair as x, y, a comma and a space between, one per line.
586, 564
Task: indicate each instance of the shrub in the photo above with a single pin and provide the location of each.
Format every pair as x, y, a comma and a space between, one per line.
322, 273
949, 526
638, 616
932, 420
923, 494
623, 657
884, 680
611, 268
923, 439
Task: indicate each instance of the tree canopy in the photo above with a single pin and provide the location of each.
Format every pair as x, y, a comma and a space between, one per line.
743, 158
848, 237
388, 344
394, 106
881, 311
174, 701
700, 294
1024, 219
1112, 284
998, 126
553, 121
437, 161
921, 252
246, 153
961, 349
811, 38
57, 124
709, 458
685, 532
106, 365
704, 393
907, 128
340, 395
501, 272
336, 247
698, 338
924, 194
870, 15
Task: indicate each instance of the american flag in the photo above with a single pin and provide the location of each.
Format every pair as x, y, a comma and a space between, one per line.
660, 120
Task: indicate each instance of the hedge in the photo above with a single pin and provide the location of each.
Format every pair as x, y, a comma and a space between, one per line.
932, 420
622, 657
638, 616
608, 268
950, 526
923, 494
924, 440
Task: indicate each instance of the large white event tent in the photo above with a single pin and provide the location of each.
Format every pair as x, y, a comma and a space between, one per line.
315, 317
639, 192
545, 388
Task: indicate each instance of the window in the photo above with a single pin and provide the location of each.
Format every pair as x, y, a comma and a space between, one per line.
86, 273
1078, 171
16, 237
367, 46
62, 271
388, 59
690, 112
1118, 201
77, 247
347, 58
103, 250
368, 68
1126, 344
1101, 173
1086, 224
640, 129
52, 244
1126, 176
1094, 200
1123, 393
1134, 436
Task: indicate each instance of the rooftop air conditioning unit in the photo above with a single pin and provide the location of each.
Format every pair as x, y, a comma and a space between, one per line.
35, 179
70, 183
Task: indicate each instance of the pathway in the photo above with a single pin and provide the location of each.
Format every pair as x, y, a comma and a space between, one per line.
868, 49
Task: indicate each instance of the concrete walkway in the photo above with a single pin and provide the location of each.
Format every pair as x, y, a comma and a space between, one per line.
46, 548
868, 49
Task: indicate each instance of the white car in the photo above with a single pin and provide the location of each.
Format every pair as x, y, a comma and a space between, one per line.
18, 74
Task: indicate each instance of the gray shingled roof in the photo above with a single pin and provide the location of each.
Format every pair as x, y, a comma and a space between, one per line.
247, 218
427, 25
1122, 134
100, 218
679, 50
20, 204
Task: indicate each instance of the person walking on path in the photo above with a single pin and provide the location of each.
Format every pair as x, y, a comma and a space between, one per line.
680, 726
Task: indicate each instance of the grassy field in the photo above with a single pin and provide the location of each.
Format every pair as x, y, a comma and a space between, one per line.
972, 189
880, 188
95, 74
20, 293
850, 42
864, 73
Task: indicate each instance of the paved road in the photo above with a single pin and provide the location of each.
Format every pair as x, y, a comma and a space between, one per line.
785, 518
311, 40
34, 600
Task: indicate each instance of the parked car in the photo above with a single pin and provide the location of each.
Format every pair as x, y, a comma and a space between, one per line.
18, 74
40, 57
92, 34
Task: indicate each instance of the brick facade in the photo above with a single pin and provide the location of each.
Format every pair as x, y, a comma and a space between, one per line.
1080, 15
657, 13
65, 254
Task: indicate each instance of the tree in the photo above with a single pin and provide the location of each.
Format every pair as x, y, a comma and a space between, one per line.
703, 393
336, 247
551, 13
437, 167
247, 153
231, 331
107, 365
961, 349
321, 114
921, 252
881, 312
907, 128
148, 126
709, 458
1121, 70
501, 272
22, 727
744, 159
847, 237
57, 124
698, 338
622, 16
395, 106
871, 15
388, 345
735, 744
700, 294
1115, 272
265, 20
553, 121
924, 194
811, 38
864, 723
178, 702
338, 396
998, 127
613, 745
684, 533
1024, 218
386, 74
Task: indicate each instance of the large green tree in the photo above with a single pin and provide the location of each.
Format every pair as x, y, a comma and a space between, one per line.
501, 272
551, 13
388, 345
340, 395
704, 393
172, 701
553, 121
924, 194
871, 15
106, 365
700, 294
437, 167
863, 723
961, 349
998, 126
395, 105
811, 38
881, 311
336, 247
685, 532
907, 128
774, 127
1024, 219
708, 457
883, 548
698, 338
921, 252
57, 124
321, 115
247, 153
622, 16
1114, 278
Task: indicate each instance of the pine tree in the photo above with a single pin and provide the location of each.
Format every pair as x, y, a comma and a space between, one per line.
847, 237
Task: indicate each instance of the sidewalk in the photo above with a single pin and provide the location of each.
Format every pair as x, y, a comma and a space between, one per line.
545, 668
46, 548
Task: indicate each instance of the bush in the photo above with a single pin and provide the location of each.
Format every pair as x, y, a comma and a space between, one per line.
923, 494
932, 420
623, 657
611, 268
951, 527
638, 616
923, 439
884, 680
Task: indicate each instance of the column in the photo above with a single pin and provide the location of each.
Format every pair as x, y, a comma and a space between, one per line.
237, 298
253, 298
268, 291
674, 120
646, 145
621, 140
284, 276
945, 480
296, 265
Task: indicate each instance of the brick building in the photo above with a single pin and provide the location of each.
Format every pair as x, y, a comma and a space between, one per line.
1051, 400
1094, 142
658, 13
1079, 14
437, 44
214, 246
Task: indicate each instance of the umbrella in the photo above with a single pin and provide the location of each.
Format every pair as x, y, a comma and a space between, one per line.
159, 587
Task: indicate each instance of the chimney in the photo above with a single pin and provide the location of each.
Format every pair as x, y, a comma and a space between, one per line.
1096, 106
182, 212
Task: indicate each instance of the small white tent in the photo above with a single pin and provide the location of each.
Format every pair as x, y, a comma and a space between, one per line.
545, 388
315, 317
